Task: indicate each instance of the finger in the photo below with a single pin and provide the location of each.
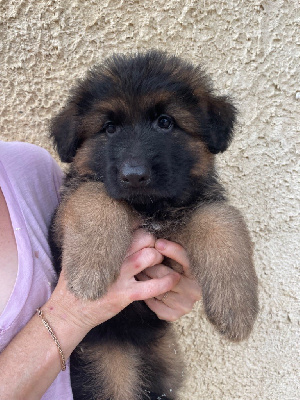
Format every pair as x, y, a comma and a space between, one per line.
162, 311
154, 287
140, 240
175, 252
140, 260
171, 306
142, 276
188, 288
157, 271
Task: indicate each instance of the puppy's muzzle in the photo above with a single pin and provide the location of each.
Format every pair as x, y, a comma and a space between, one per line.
134, 176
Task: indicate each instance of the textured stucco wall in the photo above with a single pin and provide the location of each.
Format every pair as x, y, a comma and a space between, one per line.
252, 50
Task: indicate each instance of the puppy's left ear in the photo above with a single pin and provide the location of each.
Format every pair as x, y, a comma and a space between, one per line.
65, 133
217, 130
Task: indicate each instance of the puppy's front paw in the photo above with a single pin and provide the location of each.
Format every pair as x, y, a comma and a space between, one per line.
89, 285
232, 309
94, 233
92, 263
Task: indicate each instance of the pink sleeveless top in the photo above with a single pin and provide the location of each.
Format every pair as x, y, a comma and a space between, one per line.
30, 181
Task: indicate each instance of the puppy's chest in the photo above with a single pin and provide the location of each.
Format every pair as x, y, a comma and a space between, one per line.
165, 225
158, 228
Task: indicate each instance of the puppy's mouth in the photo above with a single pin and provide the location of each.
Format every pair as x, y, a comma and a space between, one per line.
144, 183
138, 193
138, 185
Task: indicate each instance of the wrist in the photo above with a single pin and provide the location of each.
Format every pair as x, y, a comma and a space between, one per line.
65, 323
63, 304
67, 316
78, 316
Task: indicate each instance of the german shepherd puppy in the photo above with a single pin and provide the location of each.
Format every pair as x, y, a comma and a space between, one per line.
141, 133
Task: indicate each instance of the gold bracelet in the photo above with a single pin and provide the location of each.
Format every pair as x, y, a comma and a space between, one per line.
49, 329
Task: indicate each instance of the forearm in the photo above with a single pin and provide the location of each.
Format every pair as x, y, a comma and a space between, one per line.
31, 361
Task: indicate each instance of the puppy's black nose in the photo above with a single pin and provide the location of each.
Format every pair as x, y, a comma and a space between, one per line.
134, 175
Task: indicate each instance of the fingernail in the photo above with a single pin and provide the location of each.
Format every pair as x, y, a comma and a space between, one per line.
160, 244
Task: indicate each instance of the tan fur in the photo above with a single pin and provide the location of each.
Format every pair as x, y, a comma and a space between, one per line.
205, 160
92, 124
121, 368
89, 261
151, 99
94, 120
117, 367
218, 244
185, 118
82, 159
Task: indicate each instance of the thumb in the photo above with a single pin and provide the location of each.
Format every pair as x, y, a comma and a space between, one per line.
154, 287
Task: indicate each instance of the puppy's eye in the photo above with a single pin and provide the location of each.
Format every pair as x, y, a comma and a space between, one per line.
110, 128
165, 122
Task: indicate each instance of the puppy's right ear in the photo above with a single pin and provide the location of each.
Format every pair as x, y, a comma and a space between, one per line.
65, 133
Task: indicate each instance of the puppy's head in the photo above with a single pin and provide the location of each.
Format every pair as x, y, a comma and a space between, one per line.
144, 125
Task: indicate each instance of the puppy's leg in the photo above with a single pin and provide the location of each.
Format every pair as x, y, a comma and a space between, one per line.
220, 251
163, 366
117, 370
106, 371
94, 232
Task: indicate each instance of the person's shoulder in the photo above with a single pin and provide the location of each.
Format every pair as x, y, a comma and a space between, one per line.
28, 160
23, 150
26, 155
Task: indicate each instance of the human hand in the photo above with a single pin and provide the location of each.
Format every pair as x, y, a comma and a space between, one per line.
142, 254
180, 300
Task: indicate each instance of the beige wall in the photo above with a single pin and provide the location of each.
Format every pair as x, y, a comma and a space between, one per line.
252, 50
